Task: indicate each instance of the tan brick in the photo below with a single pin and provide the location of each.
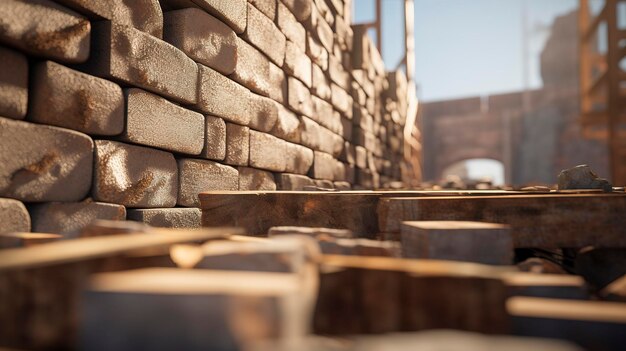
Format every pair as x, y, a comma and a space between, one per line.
341, 100
13, 216
42, 163
299, 97
134, 176
267, 152
237, 144
91, 9
67, 98
278, 84
214, 138
153, 121
222, 97
297, 63
323, 166
319, 138
148, 63
324, 114
43, 28
320, 84
255, 179
301, 9
252, 69
167, 217
338, 74
69, 218
316, 52
287, 126
294, 182
202, 37
263, 34
231, 12
145, 15
196, 176
298, 159
263, 112
289, 25
267, 7
13, 84
325, 34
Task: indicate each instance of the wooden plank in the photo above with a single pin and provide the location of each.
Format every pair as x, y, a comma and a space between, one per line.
15, 240
537, 221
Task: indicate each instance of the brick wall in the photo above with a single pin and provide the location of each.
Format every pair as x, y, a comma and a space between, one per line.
127, 109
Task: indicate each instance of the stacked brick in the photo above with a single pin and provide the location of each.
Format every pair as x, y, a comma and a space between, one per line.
128, 109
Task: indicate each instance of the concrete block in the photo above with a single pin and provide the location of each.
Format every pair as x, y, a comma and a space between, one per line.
202, 37
267, 7
267, 152
13, 216
167, 217
231, 12
214, 138
134, 176
131, 56
43, 28
323, 166
298, 159
252, 69
294, 182
316, 52
69, 218
196, 176
153, 121
297, 63
42, 163
277, 84
255, 179
320, 84
13, 84
263, 112
287, 125
67, 98
299, 97
263, 34
301, 9
237, 144
289, 25
222, 97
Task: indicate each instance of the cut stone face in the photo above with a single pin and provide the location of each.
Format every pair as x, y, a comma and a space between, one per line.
222, 97
252, 69
69, 218
214, 138
287, 181
197, 176
263, 34
255, 179
13, 216
237, 144
267, 152
13, 84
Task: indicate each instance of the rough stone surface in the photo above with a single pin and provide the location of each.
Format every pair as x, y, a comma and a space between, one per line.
298, 159
316, 52
299, 97
145, 15
252, 69
341, 100
263, 34
153, 121
167, 217
197, 176
301, 9
267, 152
90, 8
69, 218
320, 84
289, 25
297, 63
287, 126
278, 84
42, 163
222, 97
214, 138
134, 176
267, 7
43, 28
319, 138
294, 182
263, 112
237, 144
231, 12
254, 179
323, 166
131, 56
13, 216
582, 177
67, 98
202, 37
13, 84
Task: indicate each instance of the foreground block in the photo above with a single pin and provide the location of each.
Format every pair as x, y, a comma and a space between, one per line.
167, 217
255, 179
41, 163
134, 176
13, 84
13, 216
222, 97
196, 176
69, 218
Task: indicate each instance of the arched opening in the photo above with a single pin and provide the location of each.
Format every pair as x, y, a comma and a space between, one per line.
476, 169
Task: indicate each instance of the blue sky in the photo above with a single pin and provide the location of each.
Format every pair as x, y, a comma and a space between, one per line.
468, 47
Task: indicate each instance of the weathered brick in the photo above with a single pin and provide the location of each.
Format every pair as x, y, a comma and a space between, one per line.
13, 216
255, 179
196, 176
214, 138
360, 156
324, 114
91, 9
267, 7
267, 152
237, 144
287, 126
222, 97
134, 176
263, 112
323, 166
69, 218
42, 163
341, 100
338, 74
278, 84
297, 63
299, 97
325, 34
301, 9
131, 56
298, 159
202, 37
252, 69
13, 84
67, 98
320, 84
167, 217
43, 28
289, 25
319, 138
286, 181
263, 34
316, 52
145, 15
153, 121
231, 12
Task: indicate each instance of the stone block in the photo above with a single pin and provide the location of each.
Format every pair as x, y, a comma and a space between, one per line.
325, 115
346, 127
69, 218
203, 38
145, 15
13, 84
222, 97
255, 179
299, 97
298, 159
237, 144
289, 25
322, 185
287, 125
342, 185
278, 84
348, 153
231, 12
325, 34
267, 152
294, 182
131, 56
320, 84
263, 112
92, 9
319, 138
167, 217
297, 63
344, 34
338, 74
252, 69
44, 28
263, 34
43, 163
362, 119
316, 52
323, 166
341, 100
134, 176
153, 121
214, 138
196, 176
13, 216
267, 7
